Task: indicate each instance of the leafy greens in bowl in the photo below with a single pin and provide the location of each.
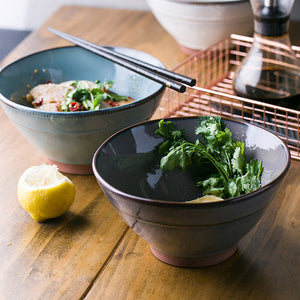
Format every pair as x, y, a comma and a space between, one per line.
219, 162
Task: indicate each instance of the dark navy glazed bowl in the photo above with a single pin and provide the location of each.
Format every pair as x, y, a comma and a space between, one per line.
152, 201
69, 139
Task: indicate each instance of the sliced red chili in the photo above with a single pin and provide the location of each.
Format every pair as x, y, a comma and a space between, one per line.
37, 103
111, 103
74, 106
82, 107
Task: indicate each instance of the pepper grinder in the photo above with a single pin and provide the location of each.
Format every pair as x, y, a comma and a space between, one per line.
270, 72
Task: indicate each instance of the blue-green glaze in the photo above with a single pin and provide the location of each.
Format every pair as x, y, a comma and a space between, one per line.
73, 137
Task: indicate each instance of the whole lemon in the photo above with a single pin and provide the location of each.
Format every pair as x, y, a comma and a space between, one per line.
44, 192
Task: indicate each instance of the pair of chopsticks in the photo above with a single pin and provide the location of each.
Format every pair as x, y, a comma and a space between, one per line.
168, 78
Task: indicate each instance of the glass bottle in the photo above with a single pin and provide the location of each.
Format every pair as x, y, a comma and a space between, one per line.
270, 72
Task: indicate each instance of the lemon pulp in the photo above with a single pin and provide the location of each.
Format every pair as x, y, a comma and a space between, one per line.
206, 199
44, 192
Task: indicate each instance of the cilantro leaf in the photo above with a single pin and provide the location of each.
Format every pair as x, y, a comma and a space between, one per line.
218, 162
81, 97
238, 158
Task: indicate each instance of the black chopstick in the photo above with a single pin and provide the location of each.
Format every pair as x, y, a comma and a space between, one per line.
172, 75
155, 73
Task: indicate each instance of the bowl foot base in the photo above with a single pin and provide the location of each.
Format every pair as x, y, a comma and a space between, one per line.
194, 262
188, 50
72, 169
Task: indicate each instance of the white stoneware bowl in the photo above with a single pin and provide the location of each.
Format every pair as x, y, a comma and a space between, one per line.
198, 24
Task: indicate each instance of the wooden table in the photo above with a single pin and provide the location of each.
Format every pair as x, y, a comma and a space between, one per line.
90, 253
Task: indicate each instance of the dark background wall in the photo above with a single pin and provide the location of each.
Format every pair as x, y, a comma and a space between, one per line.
295, 24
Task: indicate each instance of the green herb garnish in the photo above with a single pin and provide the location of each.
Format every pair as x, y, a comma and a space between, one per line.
80, 97
218, 162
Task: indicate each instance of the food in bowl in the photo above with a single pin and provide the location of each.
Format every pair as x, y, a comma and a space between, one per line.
80, 95
206, 199
153, 202
217, 162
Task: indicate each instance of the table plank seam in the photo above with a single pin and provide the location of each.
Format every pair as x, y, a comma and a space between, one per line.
105, 264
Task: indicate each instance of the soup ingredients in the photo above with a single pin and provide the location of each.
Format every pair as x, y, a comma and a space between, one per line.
81, 97
73, 96
206, 199
218, 163
44, 192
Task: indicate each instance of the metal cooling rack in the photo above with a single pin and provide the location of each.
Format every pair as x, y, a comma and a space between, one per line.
214, 70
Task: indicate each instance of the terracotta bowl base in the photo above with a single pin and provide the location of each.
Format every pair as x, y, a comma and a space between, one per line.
72, 169
187, 50
194, 262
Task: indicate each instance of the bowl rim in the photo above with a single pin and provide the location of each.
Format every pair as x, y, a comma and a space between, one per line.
228, 201
103, 111
208, 2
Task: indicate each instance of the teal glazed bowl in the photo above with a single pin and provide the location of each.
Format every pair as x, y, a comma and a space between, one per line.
69, 139
152, 202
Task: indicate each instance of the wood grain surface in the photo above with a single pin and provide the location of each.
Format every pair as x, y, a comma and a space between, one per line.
90, 253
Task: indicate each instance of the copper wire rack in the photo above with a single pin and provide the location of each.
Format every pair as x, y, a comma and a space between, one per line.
214, 70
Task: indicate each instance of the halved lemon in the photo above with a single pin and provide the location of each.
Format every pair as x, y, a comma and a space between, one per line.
44, 192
